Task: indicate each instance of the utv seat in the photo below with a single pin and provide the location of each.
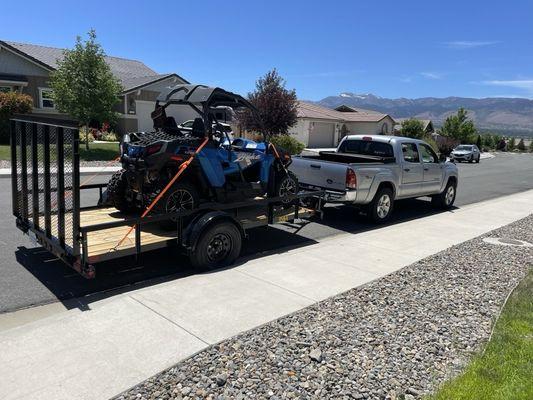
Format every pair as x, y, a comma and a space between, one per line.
198, 128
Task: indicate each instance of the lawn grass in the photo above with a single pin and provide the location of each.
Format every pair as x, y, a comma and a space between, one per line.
96, 152
505, 370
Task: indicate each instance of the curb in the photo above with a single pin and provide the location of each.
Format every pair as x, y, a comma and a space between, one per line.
6, 172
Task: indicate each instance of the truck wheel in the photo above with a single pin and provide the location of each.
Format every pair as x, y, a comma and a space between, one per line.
286, 184
445, 199
380, 209
219, 245
116, 192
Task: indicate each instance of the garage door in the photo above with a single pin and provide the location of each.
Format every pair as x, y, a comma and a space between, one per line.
144, 119
322, 135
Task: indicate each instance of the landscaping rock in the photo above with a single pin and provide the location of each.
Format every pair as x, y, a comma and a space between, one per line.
397, 337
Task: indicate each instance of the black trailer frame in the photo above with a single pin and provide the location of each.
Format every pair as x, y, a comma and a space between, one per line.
45, 164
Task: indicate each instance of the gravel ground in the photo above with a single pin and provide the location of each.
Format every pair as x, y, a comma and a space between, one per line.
395, 338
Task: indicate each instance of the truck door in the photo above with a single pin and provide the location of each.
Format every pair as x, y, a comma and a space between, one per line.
432, 169
412, 171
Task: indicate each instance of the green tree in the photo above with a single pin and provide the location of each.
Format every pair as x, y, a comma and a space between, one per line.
459, 127
277, 107
512, 144
83, 84
488, 141
479, 141
521, 145
531, 146
413, 128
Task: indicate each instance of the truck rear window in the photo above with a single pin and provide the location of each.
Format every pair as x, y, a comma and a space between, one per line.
367, 148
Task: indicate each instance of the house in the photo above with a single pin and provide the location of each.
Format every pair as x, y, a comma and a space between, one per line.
26, 68
321, 127
427, 123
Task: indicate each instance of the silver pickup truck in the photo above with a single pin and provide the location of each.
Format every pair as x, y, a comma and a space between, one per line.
373, 171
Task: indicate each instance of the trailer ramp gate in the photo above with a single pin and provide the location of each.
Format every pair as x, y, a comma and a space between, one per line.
46, 184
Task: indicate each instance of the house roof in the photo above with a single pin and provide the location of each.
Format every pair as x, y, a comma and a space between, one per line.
346, 108
131, 73
314, 111
425, 122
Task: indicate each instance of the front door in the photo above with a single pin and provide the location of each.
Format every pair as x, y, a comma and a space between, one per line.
432, 169
412, 172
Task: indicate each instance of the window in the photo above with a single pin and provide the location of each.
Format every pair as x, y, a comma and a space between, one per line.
410, 152
367, 147
45, 98
5, 89
428, 155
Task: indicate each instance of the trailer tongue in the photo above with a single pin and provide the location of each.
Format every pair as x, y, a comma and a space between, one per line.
47, 193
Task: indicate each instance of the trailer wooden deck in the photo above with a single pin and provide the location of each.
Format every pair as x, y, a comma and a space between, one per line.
102, 244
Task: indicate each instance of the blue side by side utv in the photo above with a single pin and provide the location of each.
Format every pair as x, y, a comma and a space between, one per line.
224, 170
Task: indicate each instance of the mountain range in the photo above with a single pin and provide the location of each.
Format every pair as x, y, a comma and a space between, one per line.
511, 116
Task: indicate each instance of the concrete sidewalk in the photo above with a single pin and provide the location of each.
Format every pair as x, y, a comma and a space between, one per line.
120, 341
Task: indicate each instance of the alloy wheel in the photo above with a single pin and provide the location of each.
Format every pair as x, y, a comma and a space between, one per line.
180, 200
450, 194
383, 206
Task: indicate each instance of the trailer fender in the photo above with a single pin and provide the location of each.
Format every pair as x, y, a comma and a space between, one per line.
194, 230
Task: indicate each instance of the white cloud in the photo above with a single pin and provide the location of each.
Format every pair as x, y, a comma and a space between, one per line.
432, 75
525, 84
469, 44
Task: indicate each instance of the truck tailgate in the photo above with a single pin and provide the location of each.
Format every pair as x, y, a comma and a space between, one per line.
312, 171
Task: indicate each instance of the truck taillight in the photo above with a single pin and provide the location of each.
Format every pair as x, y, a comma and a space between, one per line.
351, 179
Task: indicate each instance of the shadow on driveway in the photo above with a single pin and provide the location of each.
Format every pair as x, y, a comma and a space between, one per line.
123, 275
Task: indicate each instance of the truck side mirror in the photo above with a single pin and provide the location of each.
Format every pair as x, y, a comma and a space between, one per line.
442, 157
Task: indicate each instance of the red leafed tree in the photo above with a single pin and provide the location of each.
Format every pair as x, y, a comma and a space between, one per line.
277, 107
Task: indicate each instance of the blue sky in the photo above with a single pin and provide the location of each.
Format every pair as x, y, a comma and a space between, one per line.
389, 48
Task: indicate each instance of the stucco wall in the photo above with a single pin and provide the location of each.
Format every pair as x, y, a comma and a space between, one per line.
369, 128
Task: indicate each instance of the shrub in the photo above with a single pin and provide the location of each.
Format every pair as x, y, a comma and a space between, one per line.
512, 144
429, 140
502, 144
531, 146
12, 103
287, 143
86, 135
109, 137
521, 145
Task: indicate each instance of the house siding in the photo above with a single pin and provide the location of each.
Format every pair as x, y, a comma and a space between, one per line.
11, 63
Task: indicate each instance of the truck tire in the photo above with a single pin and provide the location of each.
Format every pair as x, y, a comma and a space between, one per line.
286, 184
380, 209
445, 199
218, 246
116, 192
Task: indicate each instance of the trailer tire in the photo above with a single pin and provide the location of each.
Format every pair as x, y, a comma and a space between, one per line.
218, 246
380, 208
116, 192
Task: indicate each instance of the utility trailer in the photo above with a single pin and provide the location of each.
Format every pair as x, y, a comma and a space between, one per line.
46, 190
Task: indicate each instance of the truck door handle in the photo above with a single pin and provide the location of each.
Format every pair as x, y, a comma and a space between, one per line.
316, 166
407, 169
426, 169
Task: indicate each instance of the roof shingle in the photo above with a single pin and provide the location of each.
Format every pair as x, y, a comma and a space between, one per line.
309, 110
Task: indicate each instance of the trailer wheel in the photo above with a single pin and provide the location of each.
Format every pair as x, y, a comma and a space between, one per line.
219, 245
116, 192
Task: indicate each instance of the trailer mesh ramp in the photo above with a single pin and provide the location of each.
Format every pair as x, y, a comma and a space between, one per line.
45, 182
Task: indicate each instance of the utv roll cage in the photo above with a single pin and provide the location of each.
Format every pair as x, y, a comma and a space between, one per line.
202, 99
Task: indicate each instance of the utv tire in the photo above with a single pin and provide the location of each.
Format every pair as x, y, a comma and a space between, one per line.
286, 184
219, 246
116, 192
445, 199
380, 209
182, 196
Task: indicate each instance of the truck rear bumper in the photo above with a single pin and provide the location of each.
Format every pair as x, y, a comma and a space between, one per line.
333, 196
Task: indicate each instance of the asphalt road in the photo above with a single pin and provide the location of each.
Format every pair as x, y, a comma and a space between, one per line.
31, 276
